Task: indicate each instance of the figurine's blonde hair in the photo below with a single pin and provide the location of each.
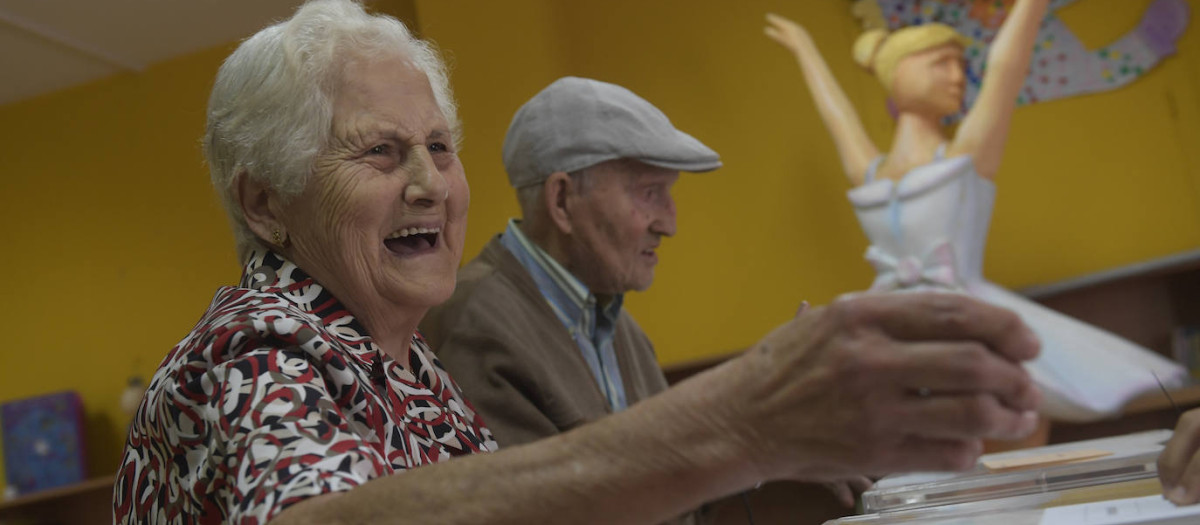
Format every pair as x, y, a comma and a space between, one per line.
880, 51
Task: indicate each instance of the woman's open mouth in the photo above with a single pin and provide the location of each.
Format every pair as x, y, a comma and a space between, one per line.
412, 241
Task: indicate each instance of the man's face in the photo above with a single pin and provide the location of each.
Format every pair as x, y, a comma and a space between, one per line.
617, 222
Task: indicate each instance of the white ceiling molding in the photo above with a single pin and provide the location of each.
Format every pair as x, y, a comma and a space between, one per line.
50, 45
67, 41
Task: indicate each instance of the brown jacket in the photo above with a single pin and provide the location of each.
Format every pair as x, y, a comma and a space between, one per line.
516, 362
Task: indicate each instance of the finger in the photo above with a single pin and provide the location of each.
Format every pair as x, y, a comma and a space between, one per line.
842, 492
915, 453
966, 417
784, 24
803, 308
1187, 491
774, 34
941, 316
860, 484
774, 23
1180, 452
965, 368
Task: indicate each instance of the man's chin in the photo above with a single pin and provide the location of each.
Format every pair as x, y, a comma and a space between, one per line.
643, 284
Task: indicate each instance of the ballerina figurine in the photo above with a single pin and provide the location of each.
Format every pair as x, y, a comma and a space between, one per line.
926, 204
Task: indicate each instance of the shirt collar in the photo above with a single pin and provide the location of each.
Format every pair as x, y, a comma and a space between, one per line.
567, 295
269, 272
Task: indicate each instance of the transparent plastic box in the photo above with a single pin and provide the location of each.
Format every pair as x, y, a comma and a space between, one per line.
1132, 457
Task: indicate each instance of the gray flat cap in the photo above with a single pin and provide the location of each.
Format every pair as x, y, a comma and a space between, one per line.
576, 122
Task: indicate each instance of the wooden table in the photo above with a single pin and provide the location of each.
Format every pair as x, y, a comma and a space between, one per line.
83, 503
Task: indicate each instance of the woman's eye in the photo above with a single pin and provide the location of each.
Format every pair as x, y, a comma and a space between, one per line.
438, 147
378, 150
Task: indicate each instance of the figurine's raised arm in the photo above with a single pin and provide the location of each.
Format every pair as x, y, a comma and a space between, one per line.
843, 123
985, 128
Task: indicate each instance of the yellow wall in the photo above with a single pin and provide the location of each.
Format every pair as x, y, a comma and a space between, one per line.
1088, 183
114, 242
106, 205
1103, 180
706, 65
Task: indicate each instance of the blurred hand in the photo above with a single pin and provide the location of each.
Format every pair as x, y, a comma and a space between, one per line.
847, 491
1179, 463
786, 32
881, 383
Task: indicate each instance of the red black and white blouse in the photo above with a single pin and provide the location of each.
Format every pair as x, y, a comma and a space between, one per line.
278, 394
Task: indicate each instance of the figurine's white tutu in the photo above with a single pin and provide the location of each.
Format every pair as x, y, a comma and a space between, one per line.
927, 231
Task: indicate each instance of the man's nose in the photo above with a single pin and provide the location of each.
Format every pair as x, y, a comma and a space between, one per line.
664, 224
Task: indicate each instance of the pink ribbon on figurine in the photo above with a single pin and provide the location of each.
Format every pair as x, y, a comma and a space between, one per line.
937, 268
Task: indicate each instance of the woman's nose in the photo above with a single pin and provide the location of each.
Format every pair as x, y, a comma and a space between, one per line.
427, 187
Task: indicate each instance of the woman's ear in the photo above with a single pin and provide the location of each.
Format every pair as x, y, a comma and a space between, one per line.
259, 206
556, 190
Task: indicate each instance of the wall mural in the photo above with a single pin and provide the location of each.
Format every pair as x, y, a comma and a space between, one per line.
1062, 66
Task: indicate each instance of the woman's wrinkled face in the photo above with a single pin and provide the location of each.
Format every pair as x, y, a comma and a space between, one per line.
383, 219
931, 82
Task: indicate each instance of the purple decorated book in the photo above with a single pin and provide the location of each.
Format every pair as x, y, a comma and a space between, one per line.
43, 441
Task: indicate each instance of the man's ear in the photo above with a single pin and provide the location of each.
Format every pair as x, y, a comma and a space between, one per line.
260, 207
556, 190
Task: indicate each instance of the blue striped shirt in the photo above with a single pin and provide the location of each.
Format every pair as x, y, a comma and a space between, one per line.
590, 325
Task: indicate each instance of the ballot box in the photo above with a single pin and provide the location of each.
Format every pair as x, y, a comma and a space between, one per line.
1108, 481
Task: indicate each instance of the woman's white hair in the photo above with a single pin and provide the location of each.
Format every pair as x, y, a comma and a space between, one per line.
271, 108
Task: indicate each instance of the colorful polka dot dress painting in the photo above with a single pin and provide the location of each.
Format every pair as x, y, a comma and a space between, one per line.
1062, 66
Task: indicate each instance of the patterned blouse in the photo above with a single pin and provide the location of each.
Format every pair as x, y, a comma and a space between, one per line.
278, 394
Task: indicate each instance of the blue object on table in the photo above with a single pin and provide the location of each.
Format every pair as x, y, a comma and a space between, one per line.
43, 441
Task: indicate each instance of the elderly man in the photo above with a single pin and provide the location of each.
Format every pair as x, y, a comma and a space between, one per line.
305, 394
535, 331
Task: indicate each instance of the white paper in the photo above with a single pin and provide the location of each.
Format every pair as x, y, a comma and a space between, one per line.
1146, 510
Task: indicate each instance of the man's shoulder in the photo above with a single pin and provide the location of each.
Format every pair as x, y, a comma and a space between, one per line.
631, 337
485, 269
626, 323
493, 276
490, 289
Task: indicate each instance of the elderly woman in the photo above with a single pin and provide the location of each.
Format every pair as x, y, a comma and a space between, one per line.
303, 389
